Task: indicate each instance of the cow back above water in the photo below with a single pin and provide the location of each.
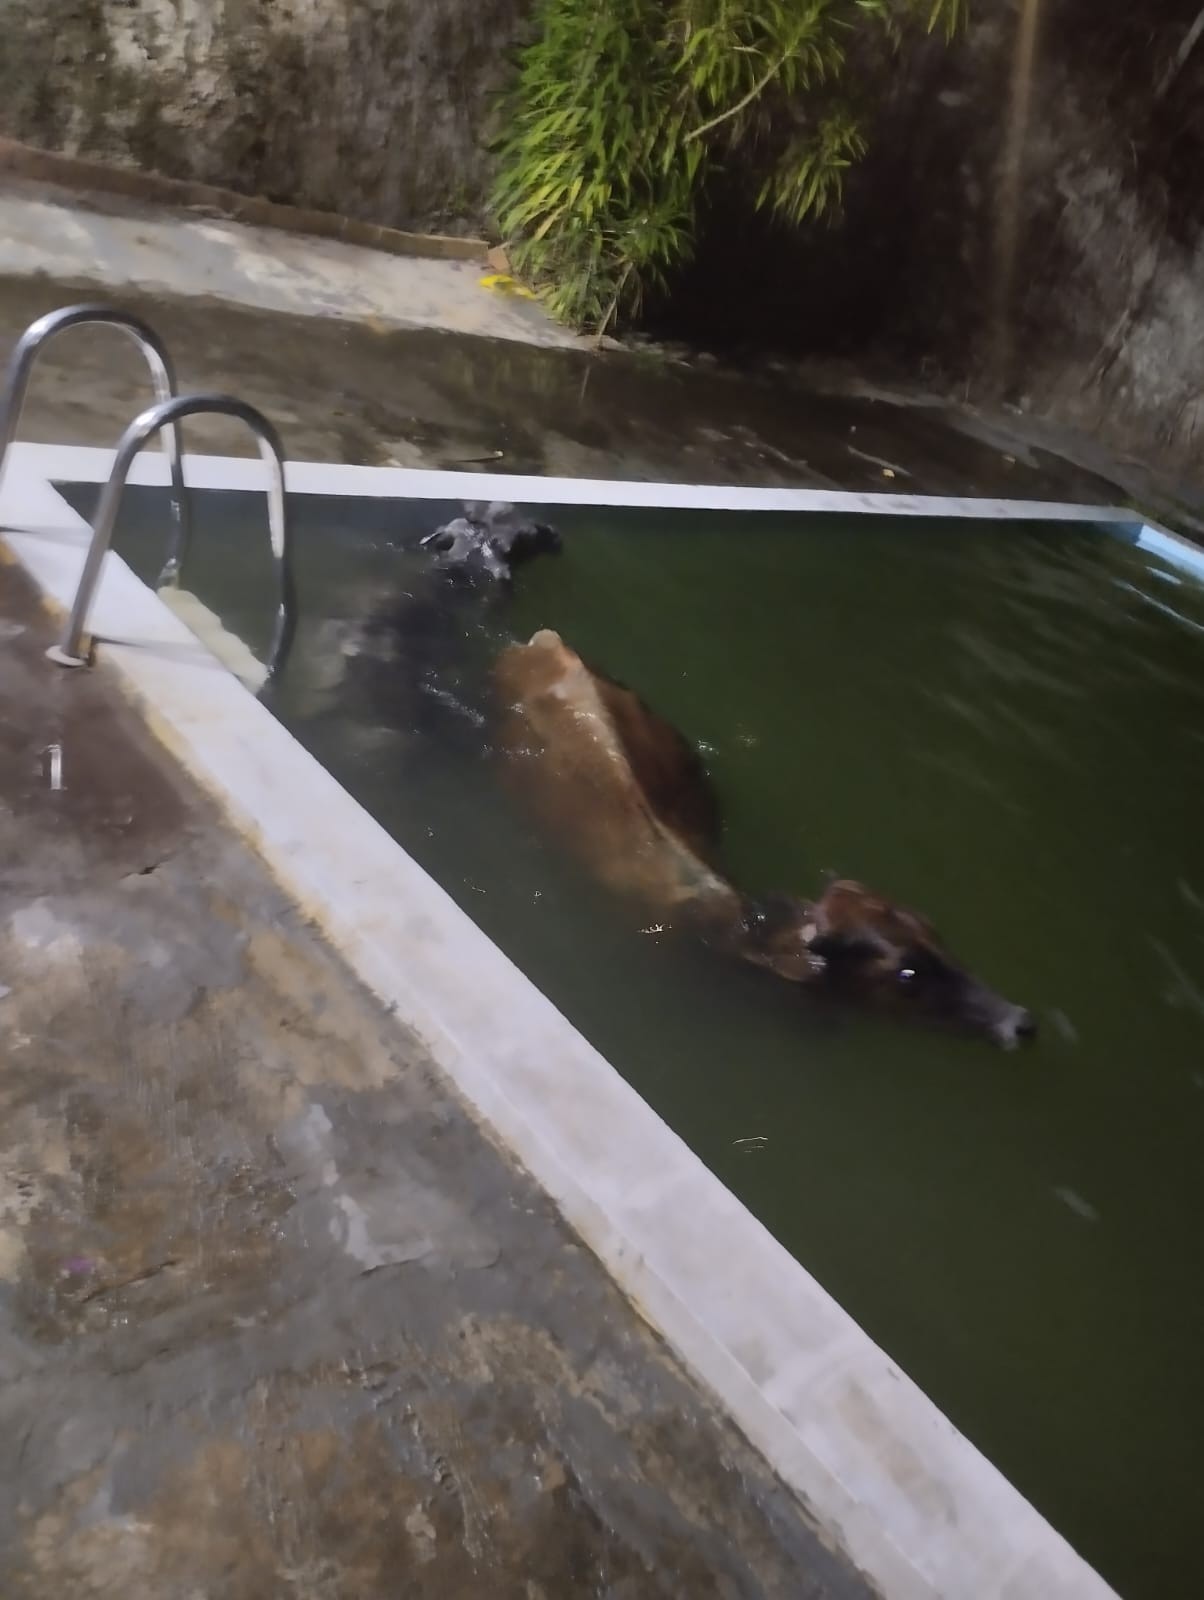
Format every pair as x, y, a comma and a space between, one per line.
614, 782
628, 796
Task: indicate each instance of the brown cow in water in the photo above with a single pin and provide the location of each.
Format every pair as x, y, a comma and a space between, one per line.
628, 795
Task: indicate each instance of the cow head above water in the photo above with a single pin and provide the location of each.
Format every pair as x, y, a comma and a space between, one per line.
855, 942
486, 544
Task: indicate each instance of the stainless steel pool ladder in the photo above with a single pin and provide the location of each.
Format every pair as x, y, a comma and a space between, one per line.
167, 415
26, 351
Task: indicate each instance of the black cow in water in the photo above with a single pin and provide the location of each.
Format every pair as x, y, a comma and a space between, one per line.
431, 638
484, 547
418, 661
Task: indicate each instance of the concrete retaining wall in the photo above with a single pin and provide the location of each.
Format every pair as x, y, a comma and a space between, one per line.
1107, 304
1107, 296
377, 109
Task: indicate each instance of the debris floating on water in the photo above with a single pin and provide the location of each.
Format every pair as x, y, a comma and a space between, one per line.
1080, 1207
1064, 1025
752, 1141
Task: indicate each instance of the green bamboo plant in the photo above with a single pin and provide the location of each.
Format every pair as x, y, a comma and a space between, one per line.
622, 108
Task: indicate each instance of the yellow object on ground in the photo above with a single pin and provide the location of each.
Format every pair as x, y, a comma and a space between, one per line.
505, 284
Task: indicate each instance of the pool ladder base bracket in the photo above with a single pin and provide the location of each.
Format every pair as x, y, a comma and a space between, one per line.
61, 658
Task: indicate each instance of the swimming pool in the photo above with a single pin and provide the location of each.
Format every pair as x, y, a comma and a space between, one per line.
1001, 726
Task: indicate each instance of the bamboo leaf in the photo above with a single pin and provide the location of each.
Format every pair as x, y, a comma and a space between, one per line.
597, 176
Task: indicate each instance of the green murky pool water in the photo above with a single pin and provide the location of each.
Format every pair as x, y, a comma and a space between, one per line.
1001, 726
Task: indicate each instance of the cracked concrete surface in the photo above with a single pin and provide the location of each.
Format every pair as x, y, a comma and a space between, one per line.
276, 1318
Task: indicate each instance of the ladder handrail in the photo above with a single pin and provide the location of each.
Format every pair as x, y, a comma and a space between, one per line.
20, 366
143, 428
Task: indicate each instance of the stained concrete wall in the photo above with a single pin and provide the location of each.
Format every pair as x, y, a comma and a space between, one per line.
1107, 314
1106, 325
378, 109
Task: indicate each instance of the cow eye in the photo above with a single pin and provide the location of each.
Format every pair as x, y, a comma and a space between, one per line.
906, 974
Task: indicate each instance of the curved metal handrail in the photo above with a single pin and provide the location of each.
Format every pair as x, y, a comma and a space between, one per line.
143, 428
20, 365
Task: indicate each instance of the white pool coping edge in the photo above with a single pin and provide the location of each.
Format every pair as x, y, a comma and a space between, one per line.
888, 1478
88, 464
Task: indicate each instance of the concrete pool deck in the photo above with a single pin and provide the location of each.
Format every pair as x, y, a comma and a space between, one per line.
275, 1316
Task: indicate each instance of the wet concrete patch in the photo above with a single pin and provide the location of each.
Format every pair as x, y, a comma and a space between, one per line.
276, 1317
366, 393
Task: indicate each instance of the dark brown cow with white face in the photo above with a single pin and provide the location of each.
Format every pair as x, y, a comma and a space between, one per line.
626, 793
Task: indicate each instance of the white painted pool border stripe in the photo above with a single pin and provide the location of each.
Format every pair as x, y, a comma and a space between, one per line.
910, 1500
87, 464
91, 465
